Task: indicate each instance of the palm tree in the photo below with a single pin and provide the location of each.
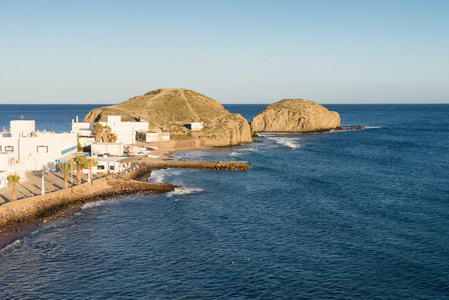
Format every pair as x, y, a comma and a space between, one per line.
98, 131
13, 179
90, 163
106, 131
80, 162
112, 137
78, 144
65, 168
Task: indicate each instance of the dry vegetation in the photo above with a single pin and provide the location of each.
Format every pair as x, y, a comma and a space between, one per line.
173, 110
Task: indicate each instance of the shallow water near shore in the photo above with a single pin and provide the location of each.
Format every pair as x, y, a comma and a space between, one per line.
344, 214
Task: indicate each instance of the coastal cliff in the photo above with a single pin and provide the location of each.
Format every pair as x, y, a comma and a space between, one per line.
174, 110
295, 115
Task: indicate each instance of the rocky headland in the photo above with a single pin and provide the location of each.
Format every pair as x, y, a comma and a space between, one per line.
295, 115
174, 110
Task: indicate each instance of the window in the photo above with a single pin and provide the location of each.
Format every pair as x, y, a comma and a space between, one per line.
42, 149
68, 150
100, 167
0, 148
111, 168
9, 148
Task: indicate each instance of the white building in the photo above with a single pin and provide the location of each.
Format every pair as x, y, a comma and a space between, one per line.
196, 125
36, 150
152, 135
9, 166
125, 131
110, 149
112, 164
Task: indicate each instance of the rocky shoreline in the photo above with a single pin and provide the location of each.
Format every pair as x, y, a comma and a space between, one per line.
15, 225
20, 217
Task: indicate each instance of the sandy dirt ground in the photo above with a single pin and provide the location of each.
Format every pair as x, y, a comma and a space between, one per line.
32, 186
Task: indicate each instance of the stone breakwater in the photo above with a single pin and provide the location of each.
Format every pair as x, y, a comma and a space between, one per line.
17, 216
203, 165
21, 214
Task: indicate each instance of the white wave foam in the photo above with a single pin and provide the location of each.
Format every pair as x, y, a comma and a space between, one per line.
11, 247
184, 191
156, 176
372, 127
159, 175
242, 151
95, 204
235, 153
286, 141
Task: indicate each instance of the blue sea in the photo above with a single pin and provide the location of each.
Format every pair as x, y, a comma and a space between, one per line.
357, 214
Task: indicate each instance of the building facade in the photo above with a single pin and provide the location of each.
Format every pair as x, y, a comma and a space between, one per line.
125, 131
9, 166
152, 135
196, 126
36, 150
108, 164
110, 149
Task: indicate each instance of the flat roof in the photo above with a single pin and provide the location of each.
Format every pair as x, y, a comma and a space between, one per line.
119, 159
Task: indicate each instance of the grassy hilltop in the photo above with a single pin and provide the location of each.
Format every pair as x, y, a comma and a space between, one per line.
172, 109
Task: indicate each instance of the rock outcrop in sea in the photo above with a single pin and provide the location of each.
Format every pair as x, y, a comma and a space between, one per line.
174, 110
295, 115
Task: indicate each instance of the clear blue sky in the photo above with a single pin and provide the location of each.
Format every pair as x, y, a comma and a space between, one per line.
233, 51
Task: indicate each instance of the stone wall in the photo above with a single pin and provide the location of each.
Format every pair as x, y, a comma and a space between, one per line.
25, 212
204, 165
26, 206
176, 144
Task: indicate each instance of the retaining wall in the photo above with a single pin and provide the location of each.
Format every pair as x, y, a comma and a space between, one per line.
177, 144
231, 166
28, 208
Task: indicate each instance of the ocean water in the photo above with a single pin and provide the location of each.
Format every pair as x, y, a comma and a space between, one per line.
341, 215
51, 117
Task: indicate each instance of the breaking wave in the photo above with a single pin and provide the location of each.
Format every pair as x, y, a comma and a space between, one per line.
242, 151
95, 204
159, 175
288, 142
11, 247
183, 191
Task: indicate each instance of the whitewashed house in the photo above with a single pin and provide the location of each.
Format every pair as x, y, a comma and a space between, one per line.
34, 149
152, 135
110, 149
196, 126
114, 164
9, 166
125, 131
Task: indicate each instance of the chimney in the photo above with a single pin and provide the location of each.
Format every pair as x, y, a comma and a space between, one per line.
76, 118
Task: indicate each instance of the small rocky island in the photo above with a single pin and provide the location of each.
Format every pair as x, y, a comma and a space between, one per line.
174, 110
295, 115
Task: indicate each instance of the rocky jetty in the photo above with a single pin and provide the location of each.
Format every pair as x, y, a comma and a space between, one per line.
25, 213
174, 110
295, 115
201, 165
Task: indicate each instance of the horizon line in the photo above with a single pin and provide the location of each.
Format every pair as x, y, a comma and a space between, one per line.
339, 103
